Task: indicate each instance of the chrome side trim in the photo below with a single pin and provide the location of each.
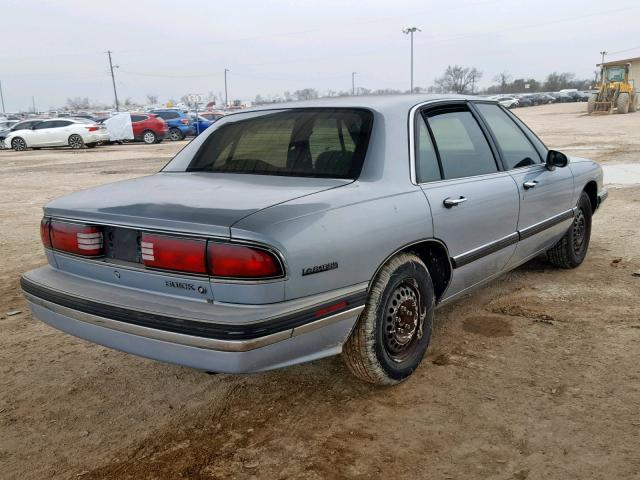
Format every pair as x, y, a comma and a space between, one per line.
190, 340
484, 250
548, 223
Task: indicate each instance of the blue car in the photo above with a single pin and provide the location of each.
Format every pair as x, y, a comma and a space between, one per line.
179, 123
200, 124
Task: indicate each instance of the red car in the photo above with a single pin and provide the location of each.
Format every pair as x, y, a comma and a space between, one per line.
148, 127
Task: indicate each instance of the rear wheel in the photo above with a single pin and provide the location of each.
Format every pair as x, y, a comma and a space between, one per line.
175, 134
149, 137
18, 144
393, 332
623, 103
571, 249
591, 103
76, 142
633, 105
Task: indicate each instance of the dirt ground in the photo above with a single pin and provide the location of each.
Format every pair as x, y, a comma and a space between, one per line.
533, 376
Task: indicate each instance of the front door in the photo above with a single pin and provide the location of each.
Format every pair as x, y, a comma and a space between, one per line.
474, 205
546, 197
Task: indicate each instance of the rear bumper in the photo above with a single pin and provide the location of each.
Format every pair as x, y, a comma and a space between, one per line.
297, 334
96, 137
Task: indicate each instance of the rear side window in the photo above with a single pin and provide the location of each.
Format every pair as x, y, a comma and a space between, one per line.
44, 125
427, 169
461, 144
323, 142
517, 151
168, 115
138, 118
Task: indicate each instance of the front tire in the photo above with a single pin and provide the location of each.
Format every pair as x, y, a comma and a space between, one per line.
18, 144
394, 329
591, 103
76, 142
149, 137
623, 103
175, 134
571, 249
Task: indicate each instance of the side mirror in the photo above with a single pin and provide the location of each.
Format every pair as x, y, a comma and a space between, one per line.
556, 159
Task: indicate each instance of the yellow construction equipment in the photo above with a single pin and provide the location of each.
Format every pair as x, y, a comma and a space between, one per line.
614, 92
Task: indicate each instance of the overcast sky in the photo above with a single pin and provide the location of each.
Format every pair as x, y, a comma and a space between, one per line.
54, 50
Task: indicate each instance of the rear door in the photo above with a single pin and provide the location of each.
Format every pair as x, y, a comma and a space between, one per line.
546, 196
474, 203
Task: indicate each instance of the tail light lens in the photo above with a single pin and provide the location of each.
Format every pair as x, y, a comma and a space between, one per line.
93, 129
45, 225
173, 253
75, 238
237, 261
185, 121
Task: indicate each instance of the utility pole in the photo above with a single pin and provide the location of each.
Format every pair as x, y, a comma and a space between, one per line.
113, 80
410, 31
2, 98
353, 83
226, 94
33, 104
603, 53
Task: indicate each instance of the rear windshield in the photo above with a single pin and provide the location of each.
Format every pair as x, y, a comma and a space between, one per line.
319, 142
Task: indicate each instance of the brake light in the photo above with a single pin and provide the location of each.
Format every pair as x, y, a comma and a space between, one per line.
185, 121
44, 232
174, 253
237, 261
75, 238
92, 129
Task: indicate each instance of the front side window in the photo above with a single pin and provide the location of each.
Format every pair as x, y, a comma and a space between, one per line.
517, 151
322, 142
463, 148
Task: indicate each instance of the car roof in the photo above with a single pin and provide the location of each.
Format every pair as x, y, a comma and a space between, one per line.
381, 103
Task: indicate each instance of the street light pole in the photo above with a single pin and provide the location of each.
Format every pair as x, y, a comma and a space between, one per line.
226, 96
410, 31
603, 53
2, 98
353, 83
113, 80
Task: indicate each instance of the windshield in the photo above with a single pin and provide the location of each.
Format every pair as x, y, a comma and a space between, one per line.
615, 74
318, 142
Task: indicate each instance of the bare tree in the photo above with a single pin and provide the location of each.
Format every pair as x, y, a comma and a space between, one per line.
457, 79
78, 103
306, 94
503, 79
152, 99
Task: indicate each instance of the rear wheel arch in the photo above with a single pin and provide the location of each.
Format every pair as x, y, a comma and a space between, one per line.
435, 255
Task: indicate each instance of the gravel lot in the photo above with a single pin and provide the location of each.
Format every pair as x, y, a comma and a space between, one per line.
534, 376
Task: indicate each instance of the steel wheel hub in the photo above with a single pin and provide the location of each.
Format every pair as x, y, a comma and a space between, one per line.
402, 320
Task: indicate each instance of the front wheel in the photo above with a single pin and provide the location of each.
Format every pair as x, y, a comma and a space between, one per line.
175, 134
393, 331
18, 144
623, 103
76, 142
571, 249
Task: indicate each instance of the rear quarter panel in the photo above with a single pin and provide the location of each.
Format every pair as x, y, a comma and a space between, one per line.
356, 226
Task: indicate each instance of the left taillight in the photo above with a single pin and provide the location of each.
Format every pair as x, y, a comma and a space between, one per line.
174, 253
73, 238
94, 128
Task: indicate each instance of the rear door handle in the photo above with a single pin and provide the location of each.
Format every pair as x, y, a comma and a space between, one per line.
452, 202
530, 184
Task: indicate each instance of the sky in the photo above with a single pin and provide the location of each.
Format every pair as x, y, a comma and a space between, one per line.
54, 50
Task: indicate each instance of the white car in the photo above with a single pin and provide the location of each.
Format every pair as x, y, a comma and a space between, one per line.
58, 132
508, 102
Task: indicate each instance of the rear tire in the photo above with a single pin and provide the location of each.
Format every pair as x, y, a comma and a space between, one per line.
633, 105
76, 142
591, 103
393, 331
623, 103
149, 137
175, 134
571, 249
18, 144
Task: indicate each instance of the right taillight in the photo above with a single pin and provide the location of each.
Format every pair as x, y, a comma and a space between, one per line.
239, 261
173, 253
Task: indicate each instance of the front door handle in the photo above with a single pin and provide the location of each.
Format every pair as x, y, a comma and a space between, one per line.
452, 202
530, 184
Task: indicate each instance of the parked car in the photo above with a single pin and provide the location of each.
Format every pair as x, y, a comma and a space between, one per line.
212, 116
200, 124
23, 125
285, 235
178, 122
524, 101
75, 133
508, 101
148, 127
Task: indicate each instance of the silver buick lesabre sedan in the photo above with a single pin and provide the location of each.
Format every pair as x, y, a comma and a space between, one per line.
298, 231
